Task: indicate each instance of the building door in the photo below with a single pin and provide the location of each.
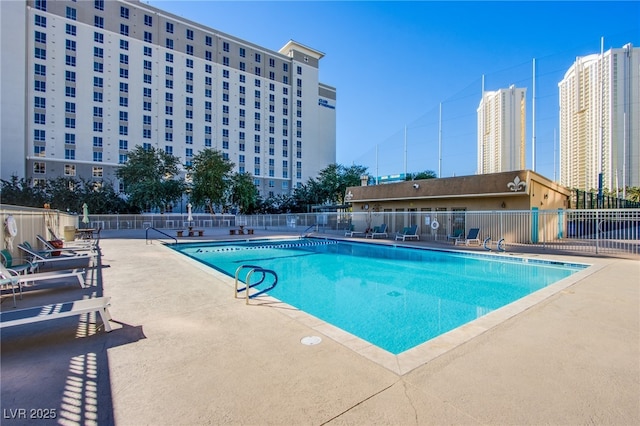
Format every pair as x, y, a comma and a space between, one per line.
458, 222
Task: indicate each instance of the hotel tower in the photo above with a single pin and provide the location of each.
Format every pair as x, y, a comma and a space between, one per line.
84, 82
600, 120
501, 131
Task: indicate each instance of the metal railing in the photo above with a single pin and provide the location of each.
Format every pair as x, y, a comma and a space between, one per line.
595, 231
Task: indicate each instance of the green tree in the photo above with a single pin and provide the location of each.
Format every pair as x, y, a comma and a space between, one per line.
64, 193
243, 193
20, 192
633, 193
427, 174
151, 178
332, 182
210, 175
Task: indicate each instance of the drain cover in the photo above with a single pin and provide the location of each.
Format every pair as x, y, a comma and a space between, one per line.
311, 340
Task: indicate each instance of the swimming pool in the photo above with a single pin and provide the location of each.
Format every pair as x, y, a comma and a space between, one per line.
393, 297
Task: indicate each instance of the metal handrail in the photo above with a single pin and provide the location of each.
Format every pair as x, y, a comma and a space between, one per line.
306, 230
146, 234
247, 286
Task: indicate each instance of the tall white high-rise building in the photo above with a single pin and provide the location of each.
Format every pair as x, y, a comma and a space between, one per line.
501, 130
600, 120
84, 82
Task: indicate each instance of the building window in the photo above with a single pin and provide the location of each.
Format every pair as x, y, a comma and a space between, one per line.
124, 116
148, 20
40, 53
39, 168
99, 4
243, 52
40, 69
122, 158
123, 144
124, 12
71, 13
41, 21
70, 91
208, 40
98, 37
124, 45
169, 27
148, 51
169, 57
69, 169
124, 30
70, 138
97, 111
225, 46
97, 141
148, 37
97, 96
39, 118
98, 22
41, 37
69, 154
39, 102
97, 171
189, 34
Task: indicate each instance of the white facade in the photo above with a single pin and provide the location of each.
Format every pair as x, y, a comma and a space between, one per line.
501, 131
85, 82
600, 120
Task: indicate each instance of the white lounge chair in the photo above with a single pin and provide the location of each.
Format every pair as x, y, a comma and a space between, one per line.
58, 310
90, 250
408, 233
472, 237
378, 231
352, 233
35, 277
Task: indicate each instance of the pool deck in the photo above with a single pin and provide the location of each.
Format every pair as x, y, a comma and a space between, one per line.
184, 351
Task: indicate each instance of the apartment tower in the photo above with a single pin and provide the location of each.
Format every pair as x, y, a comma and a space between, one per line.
501, 131
84, 82
600, 120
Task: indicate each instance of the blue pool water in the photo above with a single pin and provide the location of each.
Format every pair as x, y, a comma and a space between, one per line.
393, 297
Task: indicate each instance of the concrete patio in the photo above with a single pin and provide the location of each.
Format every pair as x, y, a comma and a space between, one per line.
184, 351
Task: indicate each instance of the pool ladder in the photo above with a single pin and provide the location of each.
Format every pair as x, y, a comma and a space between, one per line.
248, 286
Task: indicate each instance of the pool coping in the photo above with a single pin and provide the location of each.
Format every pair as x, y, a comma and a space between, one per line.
417, 356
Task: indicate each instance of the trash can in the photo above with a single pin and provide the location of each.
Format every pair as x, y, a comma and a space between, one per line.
69, 233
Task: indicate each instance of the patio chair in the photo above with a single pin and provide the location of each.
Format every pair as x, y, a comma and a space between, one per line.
10, 279
457, 234
472, 237
408, 233
55, 251
378, 231
74, 243
59, 310
351, 232
42, 263
9, 262
35, 277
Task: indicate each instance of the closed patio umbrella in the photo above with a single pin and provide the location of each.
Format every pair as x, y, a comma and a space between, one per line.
85, 214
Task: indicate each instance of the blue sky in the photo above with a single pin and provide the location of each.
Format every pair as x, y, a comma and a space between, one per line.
394, 63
